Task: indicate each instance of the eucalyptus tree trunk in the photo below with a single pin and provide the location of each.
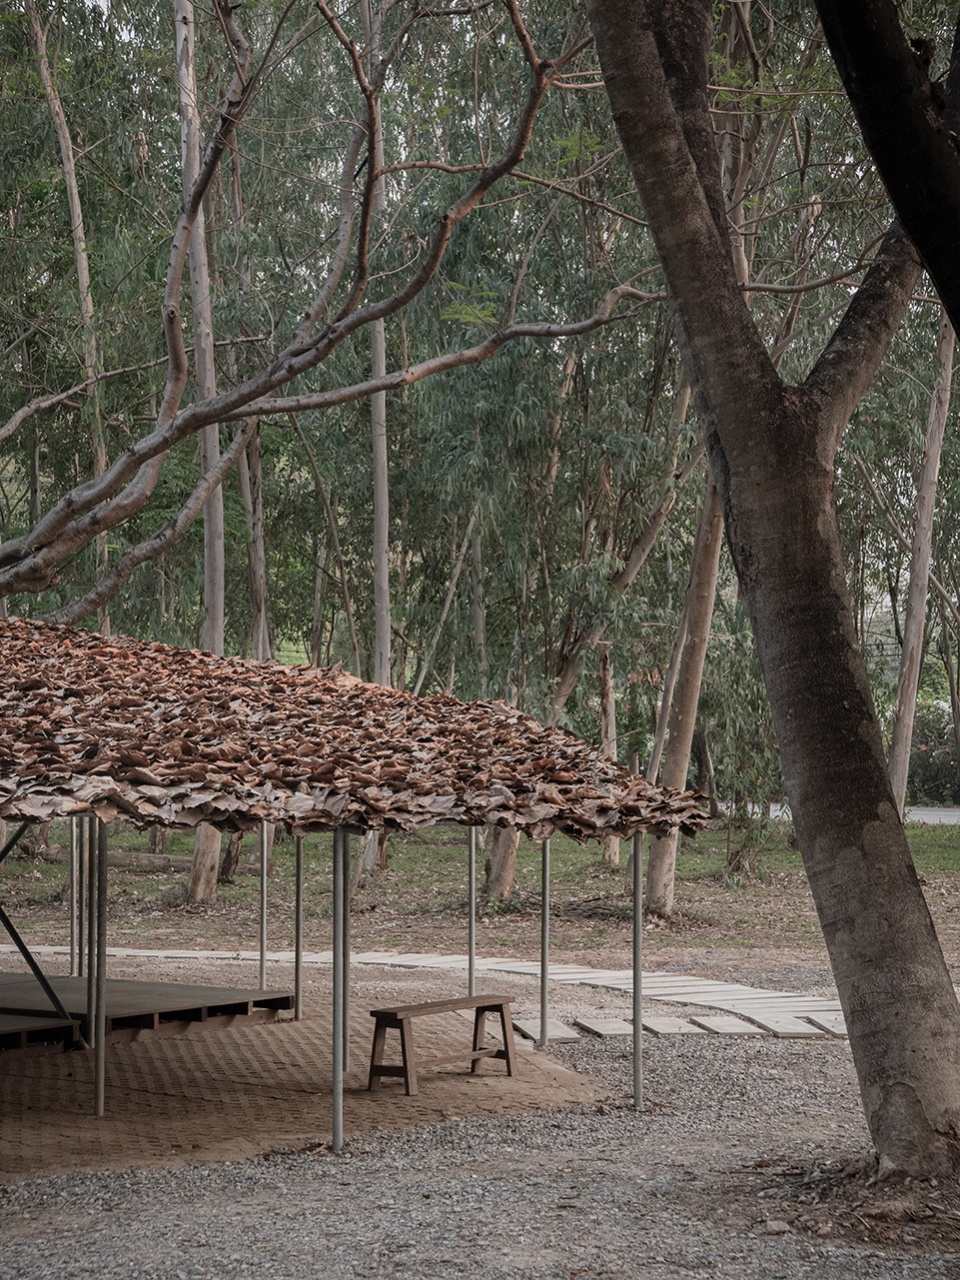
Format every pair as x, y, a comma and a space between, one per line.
608, 739
92, 361
773, 449
478, 611
372, 22
501, 864
206, 857
911, 655
250, 477
697, 612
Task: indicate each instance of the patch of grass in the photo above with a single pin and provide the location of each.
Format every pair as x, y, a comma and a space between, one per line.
934, 848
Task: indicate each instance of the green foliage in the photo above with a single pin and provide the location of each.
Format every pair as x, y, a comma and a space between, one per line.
933, 777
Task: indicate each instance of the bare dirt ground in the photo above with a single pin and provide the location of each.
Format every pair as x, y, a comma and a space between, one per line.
801, 1166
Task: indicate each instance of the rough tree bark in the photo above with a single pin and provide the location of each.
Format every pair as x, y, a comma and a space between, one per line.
773, 450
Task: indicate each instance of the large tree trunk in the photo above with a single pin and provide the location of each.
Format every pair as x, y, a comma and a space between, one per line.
911, 656
697, 612
773, 451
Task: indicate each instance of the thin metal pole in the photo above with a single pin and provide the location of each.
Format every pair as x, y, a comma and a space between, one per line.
544, 942
298, 935
337, 1143
345, 889
92, 919
472, 918
100, 1051
72, 898
263, 906
81, 892
637, 971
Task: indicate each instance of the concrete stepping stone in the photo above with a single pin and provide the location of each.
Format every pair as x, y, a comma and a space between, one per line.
604, 1027
832, 1023
725, 1025
785, 1027
666, 1026
557, 1032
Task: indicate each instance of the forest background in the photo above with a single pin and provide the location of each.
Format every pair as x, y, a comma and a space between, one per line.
521, 527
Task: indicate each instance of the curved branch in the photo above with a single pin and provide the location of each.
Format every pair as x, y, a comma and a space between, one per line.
73, 522
414, 373
151, 547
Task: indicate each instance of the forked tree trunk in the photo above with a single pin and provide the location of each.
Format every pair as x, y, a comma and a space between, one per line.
911, 656
698, 611
773, 451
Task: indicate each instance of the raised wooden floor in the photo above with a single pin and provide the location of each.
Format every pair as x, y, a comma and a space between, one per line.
138, 1005
18, 1032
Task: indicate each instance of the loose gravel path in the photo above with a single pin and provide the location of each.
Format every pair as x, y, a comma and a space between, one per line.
708, 1181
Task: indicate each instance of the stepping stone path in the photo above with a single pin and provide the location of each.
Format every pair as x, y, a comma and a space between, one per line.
748, 1010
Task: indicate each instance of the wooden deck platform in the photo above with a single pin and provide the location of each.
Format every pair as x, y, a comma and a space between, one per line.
138, 1005
43, 1035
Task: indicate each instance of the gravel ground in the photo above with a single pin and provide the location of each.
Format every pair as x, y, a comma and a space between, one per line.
721, 1175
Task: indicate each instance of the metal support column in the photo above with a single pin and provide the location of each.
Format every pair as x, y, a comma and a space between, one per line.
82, 871
72, 899
338, 1020
637, 975
92, 918
298, 934
472, 909
263, 906
544, 943
100, 1049
345, 846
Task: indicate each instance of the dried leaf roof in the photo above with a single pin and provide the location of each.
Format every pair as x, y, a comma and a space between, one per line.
168, 736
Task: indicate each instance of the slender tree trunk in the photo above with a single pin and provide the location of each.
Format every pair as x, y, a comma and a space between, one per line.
92, 362
951, 680
431, 649
250, 476
206, 858
911, 656
698, 610
478, 611
608, 739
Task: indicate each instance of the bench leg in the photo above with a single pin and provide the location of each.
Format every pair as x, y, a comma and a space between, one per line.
509, 1049
409, 1057
376, 1054
479, 1035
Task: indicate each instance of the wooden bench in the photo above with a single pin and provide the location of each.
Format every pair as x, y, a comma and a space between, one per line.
400, 1018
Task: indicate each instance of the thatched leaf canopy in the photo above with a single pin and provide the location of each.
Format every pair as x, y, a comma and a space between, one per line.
167, 736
